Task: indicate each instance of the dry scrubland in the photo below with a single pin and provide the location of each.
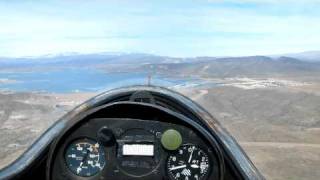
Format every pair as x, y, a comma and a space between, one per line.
25, 116
278, 126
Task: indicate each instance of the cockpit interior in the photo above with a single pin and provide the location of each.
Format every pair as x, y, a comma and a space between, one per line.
136, 132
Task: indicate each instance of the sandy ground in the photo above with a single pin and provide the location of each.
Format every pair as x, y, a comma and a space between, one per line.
25, 116
279, 127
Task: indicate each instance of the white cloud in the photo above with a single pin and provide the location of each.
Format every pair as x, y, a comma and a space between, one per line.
177, 31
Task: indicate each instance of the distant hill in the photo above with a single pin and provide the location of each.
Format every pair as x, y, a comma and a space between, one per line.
90, 60
202, 66
313, 56
238, 66
79, 60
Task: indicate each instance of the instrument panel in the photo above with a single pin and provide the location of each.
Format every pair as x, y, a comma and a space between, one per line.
115, 148
135, 133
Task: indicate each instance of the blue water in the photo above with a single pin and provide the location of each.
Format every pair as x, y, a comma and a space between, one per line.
77, 80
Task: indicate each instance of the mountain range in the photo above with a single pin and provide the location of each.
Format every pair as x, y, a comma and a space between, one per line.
289, 64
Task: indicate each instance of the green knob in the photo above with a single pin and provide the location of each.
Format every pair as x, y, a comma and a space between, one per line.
171, 139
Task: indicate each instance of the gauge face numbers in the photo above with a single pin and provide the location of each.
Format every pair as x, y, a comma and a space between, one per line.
189, 162
85, 157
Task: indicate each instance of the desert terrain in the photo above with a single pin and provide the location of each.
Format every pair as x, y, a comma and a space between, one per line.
271, 107
277, 127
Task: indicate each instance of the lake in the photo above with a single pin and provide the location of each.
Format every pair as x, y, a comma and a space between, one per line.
78, 80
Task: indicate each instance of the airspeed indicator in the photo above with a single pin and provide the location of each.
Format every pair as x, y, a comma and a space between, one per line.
85, 157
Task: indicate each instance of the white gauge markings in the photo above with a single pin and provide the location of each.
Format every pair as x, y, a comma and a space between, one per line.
189, 163
85, 157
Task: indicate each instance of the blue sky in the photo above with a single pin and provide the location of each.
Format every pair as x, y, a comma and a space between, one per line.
163, 27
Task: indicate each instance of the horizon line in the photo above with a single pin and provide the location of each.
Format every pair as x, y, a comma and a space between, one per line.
152, 54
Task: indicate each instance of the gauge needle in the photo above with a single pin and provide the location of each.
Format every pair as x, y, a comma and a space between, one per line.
177, 167
194, 166
191, 155
79, 168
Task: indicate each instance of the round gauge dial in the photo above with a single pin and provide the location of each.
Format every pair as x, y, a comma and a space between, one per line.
85, 157
189, 162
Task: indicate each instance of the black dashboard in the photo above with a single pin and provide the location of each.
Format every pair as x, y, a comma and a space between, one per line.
139, 132
155, 146
114, 148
